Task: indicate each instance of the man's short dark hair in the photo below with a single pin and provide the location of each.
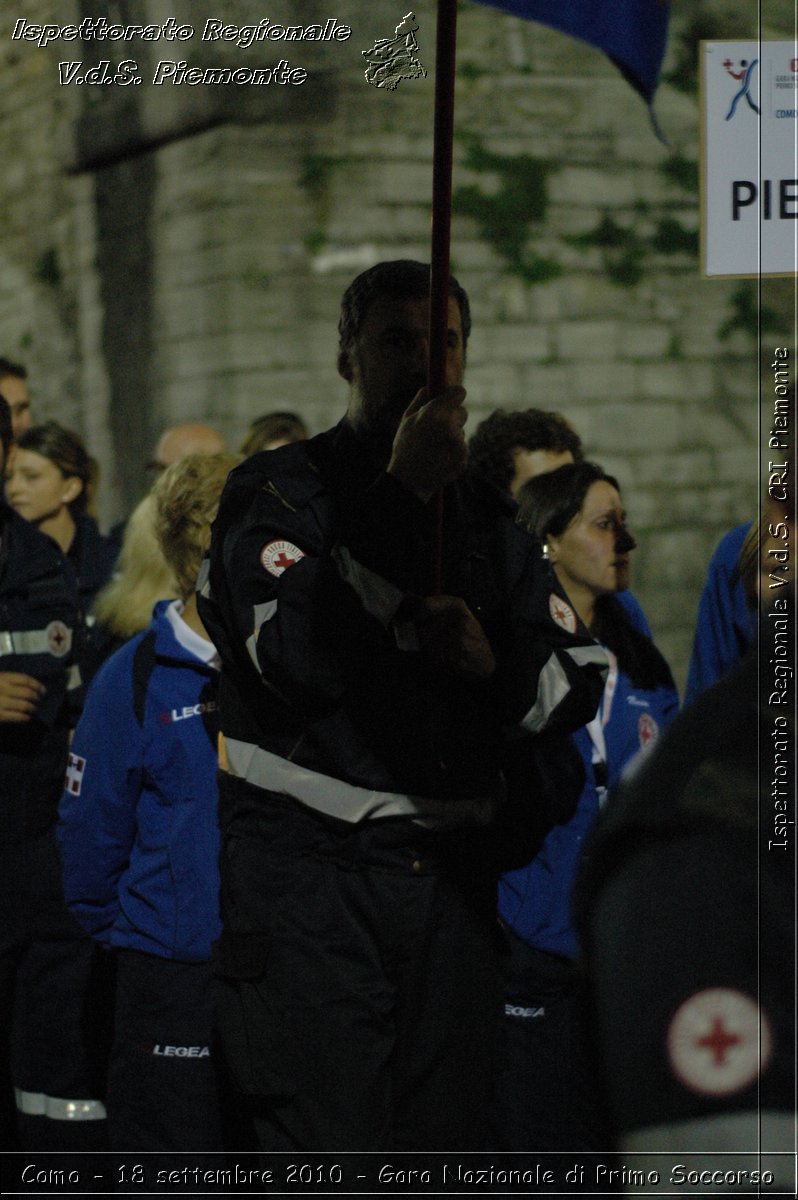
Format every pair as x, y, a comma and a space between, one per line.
490, 449
6, 432
400, 279
7, 367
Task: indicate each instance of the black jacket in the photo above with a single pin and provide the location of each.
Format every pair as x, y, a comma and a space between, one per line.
39, 622
315, 552
92, 556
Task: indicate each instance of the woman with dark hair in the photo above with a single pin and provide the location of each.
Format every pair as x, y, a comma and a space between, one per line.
50, 483
50, 1078
546, 1100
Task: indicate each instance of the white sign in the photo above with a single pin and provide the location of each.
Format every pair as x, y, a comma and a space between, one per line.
749, 176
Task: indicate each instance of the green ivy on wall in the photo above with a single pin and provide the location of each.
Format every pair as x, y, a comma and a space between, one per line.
748, 315
509, 215
48, 268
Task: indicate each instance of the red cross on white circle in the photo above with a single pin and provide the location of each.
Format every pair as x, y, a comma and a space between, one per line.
58, 640
719, 1042
561, 613
278, 555
647, 728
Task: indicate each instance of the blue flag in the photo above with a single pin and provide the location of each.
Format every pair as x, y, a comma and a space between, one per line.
631, 32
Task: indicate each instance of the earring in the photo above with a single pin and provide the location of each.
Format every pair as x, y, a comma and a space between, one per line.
545, 552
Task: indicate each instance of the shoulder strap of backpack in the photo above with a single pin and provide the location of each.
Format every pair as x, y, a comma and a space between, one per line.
143, 667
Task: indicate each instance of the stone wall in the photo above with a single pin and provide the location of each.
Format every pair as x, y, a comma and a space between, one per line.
179, 252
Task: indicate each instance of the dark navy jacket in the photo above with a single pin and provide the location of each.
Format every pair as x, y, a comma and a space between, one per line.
92, 556
324, 694
38, 627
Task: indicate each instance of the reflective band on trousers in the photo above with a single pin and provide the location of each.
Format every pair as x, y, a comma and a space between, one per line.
36, 1104
346, 801
30, 641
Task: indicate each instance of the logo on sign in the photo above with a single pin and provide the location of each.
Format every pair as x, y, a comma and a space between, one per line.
742, 72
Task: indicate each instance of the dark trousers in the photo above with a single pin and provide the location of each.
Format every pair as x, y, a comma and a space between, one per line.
162, 1090
56, 1000
358, 990
547, 1098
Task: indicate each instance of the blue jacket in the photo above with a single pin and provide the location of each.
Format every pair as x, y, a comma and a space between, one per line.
535, 900
138, 822
725, 626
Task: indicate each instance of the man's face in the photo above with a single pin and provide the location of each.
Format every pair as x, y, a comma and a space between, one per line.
386, 364
178, 441
15, 391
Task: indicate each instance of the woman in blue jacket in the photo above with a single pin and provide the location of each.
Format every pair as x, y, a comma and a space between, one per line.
139, 837
546, 1100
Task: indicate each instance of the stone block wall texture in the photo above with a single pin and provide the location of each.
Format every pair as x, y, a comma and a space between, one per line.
179, 252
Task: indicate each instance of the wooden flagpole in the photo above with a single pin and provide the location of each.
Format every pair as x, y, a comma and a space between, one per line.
446, 53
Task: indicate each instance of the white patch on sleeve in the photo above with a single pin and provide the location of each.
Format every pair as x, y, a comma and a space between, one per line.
278, 555
74, 774
561, 613
648, 730
59, 639
718, 1042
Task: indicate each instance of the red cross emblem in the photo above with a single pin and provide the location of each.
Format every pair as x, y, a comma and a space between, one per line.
278, 555
561, 613
59, 639
647, 729
719, 1042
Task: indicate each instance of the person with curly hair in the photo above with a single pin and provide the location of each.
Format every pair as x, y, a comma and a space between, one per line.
508, 448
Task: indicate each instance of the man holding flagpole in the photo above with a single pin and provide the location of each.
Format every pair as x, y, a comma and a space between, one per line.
366, 734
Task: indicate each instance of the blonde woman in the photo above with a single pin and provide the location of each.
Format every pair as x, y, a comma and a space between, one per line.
140, 839
142, 577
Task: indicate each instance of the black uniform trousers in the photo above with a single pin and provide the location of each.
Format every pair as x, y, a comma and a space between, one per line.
358, 997
56, 999
547, 1096
162, 1092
